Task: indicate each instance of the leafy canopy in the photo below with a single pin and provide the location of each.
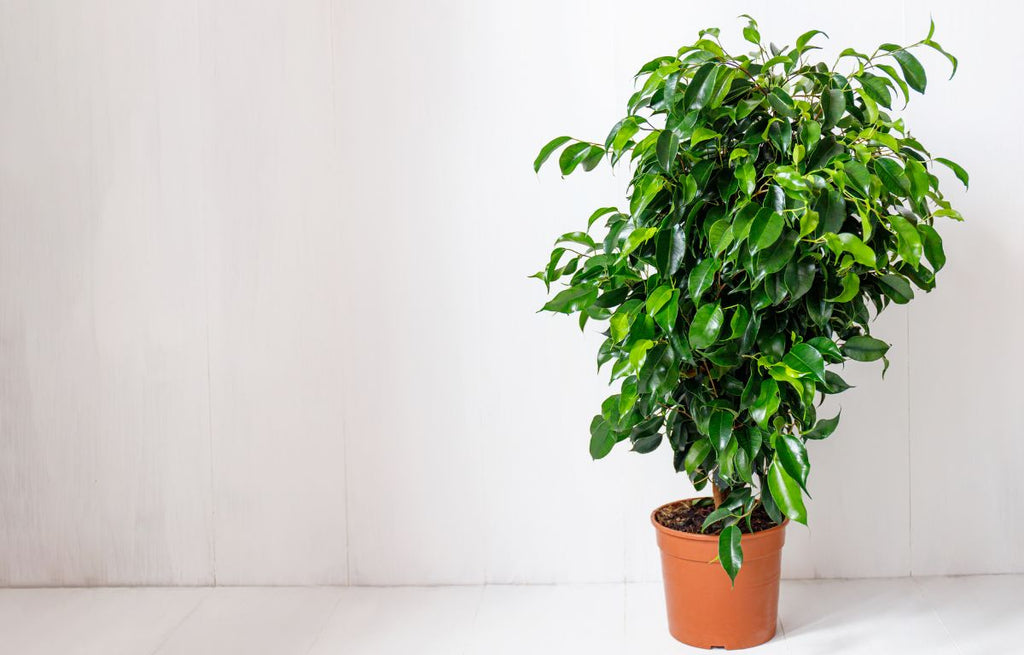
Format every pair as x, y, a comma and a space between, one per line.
775, 205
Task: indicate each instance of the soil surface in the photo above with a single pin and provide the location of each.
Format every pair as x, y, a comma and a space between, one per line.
687, 516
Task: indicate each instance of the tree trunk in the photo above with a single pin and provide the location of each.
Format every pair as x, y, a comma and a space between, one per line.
717, 493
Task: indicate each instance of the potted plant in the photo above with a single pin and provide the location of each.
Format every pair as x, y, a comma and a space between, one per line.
775, 206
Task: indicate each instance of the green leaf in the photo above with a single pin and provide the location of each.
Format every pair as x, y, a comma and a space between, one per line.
792, 455
720, 429
859, 175
918, 178
790, 179
572, 157
765, 229
666, 316
546, 151
720, 235
658, 299
698, 452
636, 238
935, 46
846, 242
910, 246
620, 135
833, 106
667, 148
638, 353
729, 551
601, 438
851, 287
896, 288
707, 322
823, 428
801, 41
932, 246
828, 348
603, 211
781, 102
912, 69
767, 402
786, 492
892, 176
700, 88
807, 360
958, 170
746, 175
649, 188
799, 278
573, 299
864, 348
701, 277
836, 384
670, 249
702, 134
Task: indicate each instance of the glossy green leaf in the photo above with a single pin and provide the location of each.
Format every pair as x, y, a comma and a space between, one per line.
546, 151
572, 299
913, 71
700, 88
846, 242
823, 428
767, 402
702, 134
635, 239
918, 178
910, 246
957, 169
667, 148
707, 323
864, 348
892, 176
730, 553
792, 455
932, 246
833, 106
701, 277
896, 288
851, 287
720, 429
786, 492
601, 438
807, 360
765, 229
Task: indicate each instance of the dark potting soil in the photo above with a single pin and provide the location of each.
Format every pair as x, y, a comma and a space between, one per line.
687, 516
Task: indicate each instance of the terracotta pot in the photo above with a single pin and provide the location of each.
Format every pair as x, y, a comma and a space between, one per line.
704, 609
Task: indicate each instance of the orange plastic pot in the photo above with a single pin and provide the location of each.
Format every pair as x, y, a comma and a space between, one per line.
704, 609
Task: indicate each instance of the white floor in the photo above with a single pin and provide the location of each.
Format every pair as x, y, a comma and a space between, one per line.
962, 615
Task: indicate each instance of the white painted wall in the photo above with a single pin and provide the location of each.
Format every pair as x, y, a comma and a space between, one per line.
264, 315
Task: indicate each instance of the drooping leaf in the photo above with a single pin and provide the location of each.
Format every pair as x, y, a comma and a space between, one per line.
786, 492
792, 455
546, 151
729, 551
823, 428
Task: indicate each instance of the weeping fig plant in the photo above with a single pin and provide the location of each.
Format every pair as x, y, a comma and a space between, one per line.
776, 204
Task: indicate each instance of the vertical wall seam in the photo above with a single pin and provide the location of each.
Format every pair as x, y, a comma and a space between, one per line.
909, 429
204, 228
344, 424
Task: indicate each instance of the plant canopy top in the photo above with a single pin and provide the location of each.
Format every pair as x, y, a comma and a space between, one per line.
775, 205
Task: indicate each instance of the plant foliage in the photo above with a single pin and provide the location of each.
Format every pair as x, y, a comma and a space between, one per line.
775, 206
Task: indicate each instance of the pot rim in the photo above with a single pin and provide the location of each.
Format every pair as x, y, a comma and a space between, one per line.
707, 538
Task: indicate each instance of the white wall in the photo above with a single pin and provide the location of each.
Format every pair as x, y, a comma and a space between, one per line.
264, 314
